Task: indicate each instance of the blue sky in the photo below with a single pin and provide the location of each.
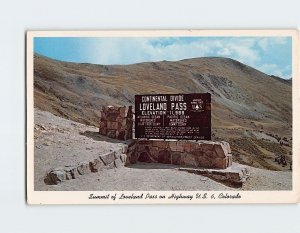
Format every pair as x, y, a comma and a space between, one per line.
272, 55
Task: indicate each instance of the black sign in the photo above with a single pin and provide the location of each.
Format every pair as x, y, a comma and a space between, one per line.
173, 116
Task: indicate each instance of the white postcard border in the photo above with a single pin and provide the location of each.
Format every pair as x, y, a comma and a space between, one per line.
82, 197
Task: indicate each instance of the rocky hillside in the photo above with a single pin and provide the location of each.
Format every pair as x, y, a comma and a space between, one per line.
250, 109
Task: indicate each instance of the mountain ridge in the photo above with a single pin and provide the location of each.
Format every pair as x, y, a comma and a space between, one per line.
149, 62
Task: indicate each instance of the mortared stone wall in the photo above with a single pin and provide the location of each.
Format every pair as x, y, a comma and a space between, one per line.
205, 154
116, 122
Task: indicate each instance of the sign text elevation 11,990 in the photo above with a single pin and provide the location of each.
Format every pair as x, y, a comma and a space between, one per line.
173, 116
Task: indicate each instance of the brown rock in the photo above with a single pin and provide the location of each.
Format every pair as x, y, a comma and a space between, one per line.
208, 153
132, 157
234, 176
189, 160
180, 146
124, 111
107, 158
164, 156
84, 168
112, 125
111, 133
68, 176
55, 177
197, 153
205, 162
124, 123
96, 165
145, 157
160, 144
144, 142
140, 148
103, 124
71, 172
187, 146
116, 122
112, 115
153, 151
214, 155
206, 145
176, 158
172, 145
220, 163
128, 134
219, 149
195, 146
121, 135
103, 131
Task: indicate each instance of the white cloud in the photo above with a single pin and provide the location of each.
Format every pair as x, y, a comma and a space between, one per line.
266, 42
279, 40
245, 54
134, 50
263, 43
126, 51
224, 52
273, 69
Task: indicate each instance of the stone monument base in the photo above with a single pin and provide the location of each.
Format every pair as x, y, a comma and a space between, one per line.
204, 154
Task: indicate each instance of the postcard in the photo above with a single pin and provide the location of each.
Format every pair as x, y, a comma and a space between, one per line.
163, 117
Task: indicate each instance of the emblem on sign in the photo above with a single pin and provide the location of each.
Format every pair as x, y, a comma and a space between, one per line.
197, 105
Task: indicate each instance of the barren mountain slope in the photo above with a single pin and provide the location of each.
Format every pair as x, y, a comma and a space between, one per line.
250, 109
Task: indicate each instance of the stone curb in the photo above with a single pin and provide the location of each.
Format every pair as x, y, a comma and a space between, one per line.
109, 160
229, 177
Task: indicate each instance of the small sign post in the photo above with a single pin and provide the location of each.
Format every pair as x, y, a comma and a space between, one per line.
173, 116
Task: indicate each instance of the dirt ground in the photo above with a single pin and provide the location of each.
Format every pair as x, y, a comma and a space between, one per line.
166, 178
60, 142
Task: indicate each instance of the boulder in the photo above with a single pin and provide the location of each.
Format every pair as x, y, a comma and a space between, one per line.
96, 165
55, 177
108, 157
84, 168
71, 172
